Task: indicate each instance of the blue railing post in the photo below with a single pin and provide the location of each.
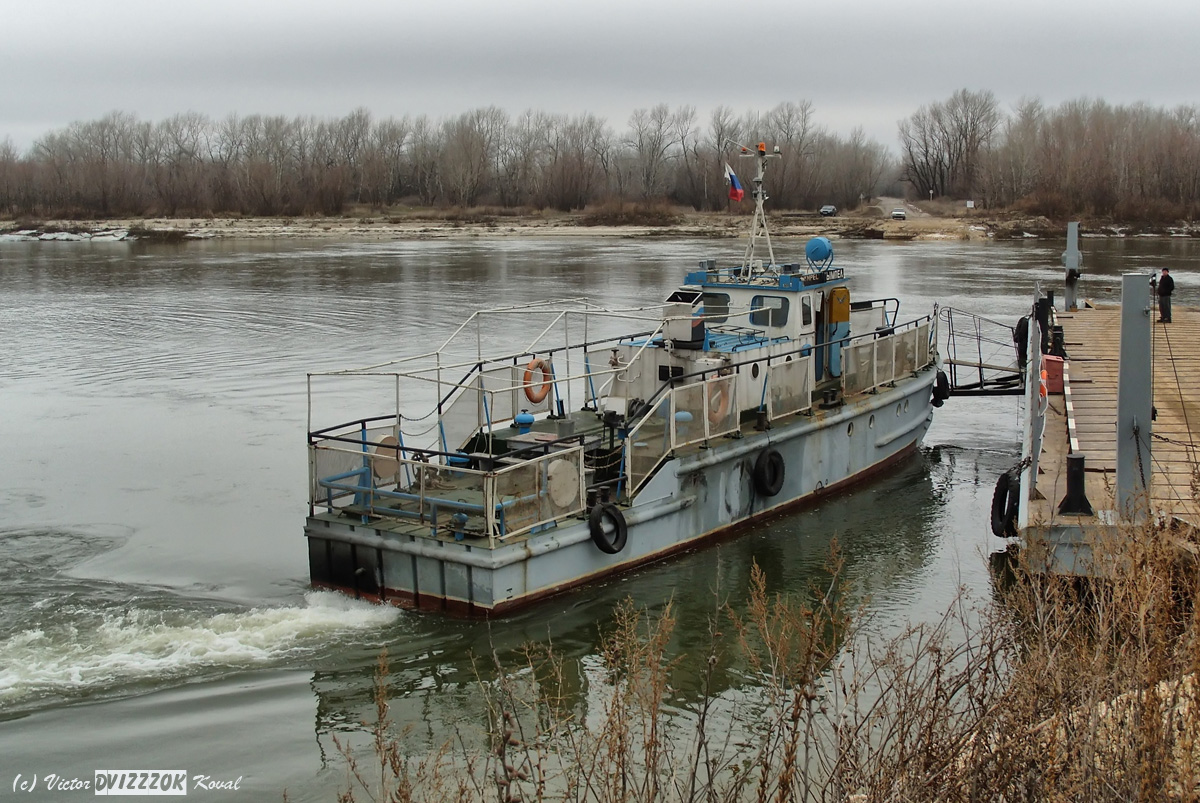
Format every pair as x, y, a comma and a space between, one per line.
587, 369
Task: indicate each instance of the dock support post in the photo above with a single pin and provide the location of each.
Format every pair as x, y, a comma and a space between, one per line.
1071, 260
1135, 399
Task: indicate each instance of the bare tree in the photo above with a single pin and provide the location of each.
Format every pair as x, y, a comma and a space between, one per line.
521, 152
177, 151
10, 164
971, 120
1012, 168
99, 153
651, 139
723, 132
858, 165
471, 142
612, 160
351, 135
789, 126
382, 162
224, 155
572, 168
689, 184
943, 143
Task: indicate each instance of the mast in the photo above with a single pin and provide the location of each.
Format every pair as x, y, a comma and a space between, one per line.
760, 217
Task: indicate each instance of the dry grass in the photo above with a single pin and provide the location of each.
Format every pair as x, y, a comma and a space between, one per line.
1054, 691
456, 214
623, 213
152, 235
942, 207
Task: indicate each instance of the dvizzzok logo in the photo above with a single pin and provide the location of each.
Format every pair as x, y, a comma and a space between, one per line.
141, 782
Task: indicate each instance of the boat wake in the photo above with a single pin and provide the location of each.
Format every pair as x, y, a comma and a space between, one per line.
77, 650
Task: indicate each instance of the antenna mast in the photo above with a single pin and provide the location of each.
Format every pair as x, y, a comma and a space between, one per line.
760, 217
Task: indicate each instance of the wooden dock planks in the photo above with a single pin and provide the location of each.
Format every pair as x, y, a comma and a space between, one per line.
1092, 338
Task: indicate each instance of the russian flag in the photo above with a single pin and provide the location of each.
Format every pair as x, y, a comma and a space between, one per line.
736, 192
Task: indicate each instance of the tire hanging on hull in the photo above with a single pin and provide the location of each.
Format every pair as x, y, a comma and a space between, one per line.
941, 388
607, 526
769, 470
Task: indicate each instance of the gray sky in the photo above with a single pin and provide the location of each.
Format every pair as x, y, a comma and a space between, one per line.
861, 62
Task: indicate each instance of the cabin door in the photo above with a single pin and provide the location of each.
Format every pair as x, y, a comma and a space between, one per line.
837, 316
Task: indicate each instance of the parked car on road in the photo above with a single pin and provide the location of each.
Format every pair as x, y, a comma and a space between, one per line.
828, 210
899, 214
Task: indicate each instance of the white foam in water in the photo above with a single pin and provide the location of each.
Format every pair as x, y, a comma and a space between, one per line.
140, 644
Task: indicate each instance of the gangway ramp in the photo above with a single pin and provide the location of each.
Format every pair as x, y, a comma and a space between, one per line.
980, 355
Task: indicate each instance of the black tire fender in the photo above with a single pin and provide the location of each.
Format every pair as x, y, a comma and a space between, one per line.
1021, 330
941, 386
769, 470
608, 528
1006, 500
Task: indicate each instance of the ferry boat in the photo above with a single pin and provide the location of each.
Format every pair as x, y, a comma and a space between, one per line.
474, 484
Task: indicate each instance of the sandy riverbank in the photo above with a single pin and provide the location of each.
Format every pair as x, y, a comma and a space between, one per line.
919, 226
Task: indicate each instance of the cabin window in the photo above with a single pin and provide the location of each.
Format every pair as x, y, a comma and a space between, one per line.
716, 307
806, 311
768, 311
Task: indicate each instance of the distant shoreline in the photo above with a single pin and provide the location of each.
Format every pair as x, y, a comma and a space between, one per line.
452, 225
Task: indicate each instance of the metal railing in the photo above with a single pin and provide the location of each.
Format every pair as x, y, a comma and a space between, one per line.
382, 479
981, 354
871, 363
682, 415
686, 415
511, 496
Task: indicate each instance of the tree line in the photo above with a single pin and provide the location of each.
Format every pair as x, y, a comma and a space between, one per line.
1085, 156
1081, 157
271, 165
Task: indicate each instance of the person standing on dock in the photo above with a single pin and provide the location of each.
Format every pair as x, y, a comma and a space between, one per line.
1166, 285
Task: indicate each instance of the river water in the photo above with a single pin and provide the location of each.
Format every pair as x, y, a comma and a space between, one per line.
153, 604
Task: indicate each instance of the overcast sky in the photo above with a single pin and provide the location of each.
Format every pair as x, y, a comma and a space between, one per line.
860, 62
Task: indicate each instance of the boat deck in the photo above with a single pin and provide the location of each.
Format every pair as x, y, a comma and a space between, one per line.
443, 486
1091, 399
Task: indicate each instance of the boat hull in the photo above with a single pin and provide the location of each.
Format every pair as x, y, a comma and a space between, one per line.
690, 500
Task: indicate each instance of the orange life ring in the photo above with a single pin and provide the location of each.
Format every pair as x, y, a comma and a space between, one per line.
1042, 384
717, 412
537, 395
